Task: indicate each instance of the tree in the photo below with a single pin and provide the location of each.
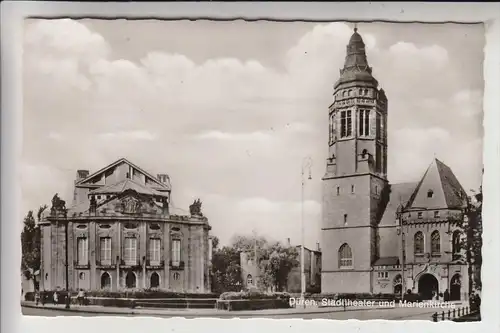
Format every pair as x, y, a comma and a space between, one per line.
474, 240
249, 244
276, 262
215, 243
226, 270
30, 242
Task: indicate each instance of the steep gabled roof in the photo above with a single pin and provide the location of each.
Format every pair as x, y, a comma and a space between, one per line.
118, 162
124, 185
438, 189
398, 197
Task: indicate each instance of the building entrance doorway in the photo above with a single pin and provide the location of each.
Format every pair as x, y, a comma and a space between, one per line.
428, 286
455, 287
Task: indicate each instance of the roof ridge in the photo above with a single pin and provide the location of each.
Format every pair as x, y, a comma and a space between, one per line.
448, 178
417, 188
123, 159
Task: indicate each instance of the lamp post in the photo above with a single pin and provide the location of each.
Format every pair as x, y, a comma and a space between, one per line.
402, 234
306, 164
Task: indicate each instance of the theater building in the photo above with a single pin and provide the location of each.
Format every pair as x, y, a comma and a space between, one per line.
122, 235
378, 237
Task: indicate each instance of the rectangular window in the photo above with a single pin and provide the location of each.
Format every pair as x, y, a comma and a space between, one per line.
130, 251
378, 126
345, 218
338, 190
367, 122
83, 251
436, 214
378, 158
364, 122
176, 252
345, 124
352, 189
154, 251
420, 215
105, 251
332, 128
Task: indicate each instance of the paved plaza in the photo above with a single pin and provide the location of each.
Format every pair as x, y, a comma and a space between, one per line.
396, 313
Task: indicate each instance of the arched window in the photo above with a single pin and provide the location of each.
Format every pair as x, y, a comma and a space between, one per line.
249, 280
360, 92
349, 93
345, 256
155, 280
418, 243
364, 153
455, 243
130, 280
105, 281
435, 242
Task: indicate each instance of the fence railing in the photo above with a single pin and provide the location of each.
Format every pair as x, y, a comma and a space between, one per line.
451, 314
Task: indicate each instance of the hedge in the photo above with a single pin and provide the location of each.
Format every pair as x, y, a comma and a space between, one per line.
250, 295
30, 296
253, 300
355, 296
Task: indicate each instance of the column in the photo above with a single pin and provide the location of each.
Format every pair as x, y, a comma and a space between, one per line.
166, 256
73, 282
118, 253
41, 285
202, 260
92, 237
144, 250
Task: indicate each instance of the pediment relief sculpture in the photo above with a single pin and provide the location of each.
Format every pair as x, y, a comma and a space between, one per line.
130, 205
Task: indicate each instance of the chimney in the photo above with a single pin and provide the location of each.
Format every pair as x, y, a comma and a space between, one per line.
81, 174
163, 178
317, 247
288, 241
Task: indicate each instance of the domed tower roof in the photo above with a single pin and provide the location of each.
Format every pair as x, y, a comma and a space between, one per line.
356, 66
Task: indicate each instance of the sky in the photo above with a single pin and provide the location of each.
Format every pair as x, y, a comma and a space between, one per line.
229, 110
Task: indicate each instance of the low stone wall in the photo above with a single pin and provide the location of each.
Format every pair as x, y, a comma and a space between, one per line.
252, 304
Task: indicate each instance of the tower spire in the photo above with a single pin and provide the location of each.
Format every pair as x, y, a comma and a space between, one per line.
356, 67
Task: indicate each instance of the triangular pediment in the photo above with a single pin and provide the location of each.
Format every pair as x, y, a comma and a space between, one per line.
131, 203
119, 171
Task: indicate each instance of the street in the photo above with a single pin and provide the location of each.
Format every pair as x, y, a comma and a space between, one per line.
386, 314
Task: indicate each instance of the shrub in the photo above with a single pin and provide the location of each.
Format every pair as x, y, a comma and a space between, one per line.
358, 296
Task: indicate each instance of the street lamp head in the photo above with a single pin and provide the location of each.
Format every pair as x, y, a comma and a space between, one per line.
309, 175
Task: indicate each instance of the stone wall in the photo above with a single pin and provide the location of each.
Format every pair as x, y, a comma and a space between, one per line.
188, 278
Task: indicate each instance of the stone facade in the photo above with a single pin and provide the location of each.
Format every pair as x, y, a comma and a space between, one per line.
122, 235
372, 229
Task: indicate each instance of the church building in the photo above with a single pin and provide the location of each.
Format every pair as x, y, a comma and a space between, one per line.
120, 234
379, 237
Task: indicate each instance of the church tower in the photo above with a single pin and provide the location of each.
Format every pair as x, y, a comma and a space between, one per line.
355, 185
